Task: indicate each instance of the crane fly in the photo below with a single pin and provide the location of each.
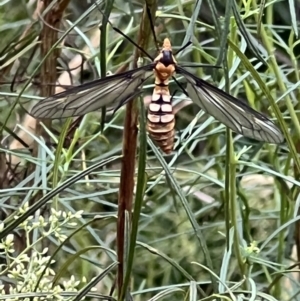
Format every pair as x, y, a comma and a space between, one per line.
116, 90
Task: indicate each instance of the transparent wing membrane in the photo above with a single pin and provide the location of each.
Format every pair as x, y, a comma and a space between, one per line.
234, 113
116, 90
112, 91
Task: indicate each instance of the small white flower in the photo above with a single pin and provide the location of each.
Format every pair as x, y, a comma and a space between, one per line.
9, 239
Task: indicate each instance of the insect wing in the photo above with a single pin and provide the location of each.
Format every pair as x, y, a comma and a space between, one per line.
112, 91
233, 113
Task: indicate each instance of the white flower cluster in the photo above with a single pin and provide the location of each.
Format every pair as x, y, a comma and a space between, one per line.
29, 274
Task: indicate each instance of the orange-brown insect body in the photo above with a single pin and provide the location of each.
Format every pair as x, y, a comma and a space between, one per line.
161, 120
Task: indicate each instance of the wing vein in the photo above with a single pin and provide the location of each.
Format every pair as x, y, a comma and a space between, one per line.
232, 112
113, 91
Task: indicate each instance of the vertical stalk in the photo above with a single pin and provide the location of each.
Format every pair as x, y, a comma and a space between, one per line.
129, 153
49, 36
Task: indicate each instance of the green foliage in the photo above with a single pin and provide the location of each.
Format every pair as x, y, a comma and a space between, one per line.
218, 216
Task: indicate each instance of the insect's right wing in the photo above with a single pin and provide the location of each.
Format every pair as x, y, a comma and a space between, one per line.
232, 112
112, 91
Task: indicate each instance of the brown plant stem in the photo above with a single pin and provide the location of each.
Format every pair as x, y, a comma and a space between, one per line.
48, 75
129, 150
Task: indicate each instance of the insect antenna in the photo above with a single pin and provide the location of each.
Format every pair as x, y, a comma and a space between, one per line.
132, 42
125, 36
152, 26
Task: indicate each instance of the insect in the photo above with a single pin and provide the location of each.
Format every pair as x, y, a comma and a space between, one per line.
116, 90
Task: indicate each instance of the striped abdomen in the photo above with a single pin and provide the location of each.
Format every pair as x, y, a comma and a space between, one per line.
161, 120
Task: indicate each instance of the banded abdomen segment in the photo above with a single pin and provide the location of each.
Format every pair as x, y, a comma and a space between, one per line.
161, 120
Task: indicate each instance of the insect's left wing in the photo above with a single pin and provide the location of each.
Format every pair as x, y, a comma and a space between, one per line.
234, 113
112, 91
